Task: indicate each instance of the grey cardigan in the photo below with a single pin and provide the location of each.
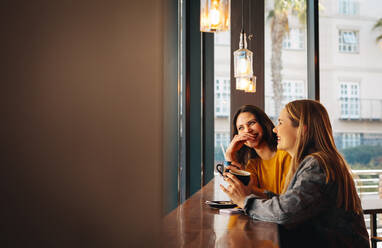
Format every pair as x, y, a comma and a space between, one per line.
309, 206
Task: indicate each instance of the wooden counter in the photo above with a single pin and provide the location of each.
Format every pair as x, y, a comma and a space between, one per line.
195, 224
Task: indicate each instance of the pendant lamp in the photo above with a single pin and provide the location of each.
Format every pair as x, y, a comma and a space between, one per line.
243, 59
214, 15
251, 87
242, 83
243, 62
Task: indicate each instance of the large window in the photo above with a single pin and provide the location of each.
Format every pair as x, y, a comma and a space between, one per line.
285, 54
350, 86
222, 94
295, 39
221, 139
222, 97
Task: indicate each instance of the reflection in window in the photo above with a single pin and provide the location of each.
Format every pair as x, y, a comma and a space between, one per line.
348, 41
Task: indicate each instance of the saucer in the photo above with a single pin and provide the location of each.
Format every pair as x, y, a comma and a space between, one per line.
221, 204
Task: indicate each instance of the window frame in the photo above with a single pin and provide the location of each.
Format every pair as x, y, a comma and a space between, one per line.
198, 72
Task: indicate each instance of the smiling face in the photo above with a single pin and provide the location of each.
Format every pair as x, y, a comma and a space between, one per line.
247, 123
286, 133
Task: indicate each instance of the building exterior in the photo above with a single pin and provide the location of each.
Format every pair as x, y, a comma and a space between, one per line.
350, 71
222, 93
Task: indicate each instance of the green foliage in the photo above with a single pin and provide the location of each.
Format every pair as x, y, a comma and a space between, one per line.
372, 165
378, 26
364, 157
282, 8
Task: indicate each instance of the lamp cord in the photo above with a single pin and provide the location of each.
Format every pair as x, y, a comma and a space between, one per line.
242, 16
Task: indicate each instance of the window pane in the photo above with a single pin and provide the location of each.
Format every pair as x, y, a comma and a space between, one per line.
285, 54
348, 7
222, 94
348, 41
350, 83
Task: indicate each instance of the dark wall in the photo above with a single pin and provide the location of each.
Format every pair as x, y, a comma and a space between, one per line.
194, 98
170, 104
81, 123
253, 24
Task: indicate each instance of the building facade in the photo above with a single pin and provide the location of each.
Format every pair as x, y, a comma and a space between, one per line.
350, 71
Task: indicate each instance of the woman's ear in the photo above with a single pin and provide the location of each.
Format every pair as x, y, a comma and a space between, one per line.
305, 129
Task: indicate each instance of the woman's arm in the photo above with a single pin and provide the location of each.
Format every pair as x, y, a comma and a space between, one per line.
236, 143
303, 199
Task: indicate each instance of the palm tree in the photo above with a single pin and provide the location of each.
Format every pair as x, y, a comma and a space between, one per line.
279, 28
378, 26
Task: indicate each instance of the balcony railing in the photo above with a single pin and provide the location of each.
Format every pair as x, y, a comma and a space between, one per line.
360, 109
368, 182
369, 185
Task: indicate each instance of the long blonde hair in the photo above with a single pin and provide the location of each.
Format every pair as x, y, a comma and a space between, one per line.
315, 138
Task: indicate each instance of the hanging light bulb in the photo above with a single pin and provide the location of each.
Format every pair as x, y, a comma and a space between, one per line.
214, 15
243, 59
242, 83
251, 87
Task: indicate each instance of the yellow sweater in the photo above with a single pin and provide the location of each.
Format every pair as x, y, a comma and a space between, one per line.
270, 174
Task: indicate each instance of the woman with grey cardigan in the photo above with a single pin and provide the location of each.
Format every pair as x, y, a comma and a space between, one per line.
319, 206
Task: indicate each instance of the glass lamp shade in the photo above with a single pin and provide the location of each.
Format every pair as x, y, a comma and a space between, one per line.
243, 63
251, 87
214, 15
242, 83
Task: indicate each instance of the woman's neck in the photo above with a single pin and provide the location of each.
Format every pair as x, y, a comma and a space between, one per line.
292, 152
265, 152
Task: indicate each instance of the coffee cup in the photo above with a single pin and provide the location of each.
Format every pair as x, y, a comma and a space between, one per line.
220, 168
242, 175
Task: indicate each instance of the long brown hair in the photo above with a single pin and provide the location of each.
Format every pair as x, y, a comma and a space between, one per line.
315, 138
269, 137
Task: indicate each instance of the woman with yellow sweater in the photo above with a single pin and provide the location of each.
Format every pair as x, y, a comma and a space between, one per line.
254, 149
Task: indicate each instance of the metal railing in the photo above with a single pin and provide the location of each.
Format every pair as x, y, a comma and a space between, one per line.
368, 182
369, 185
360, 109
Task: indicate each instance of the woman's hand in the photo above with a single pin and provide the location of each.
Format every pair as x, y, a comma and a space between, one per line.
235, 166
235, 145
253, 187
236, 190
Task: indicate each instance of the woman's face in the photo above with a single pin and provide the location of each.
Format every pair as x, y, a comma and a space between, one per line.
286, 133
247, 123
